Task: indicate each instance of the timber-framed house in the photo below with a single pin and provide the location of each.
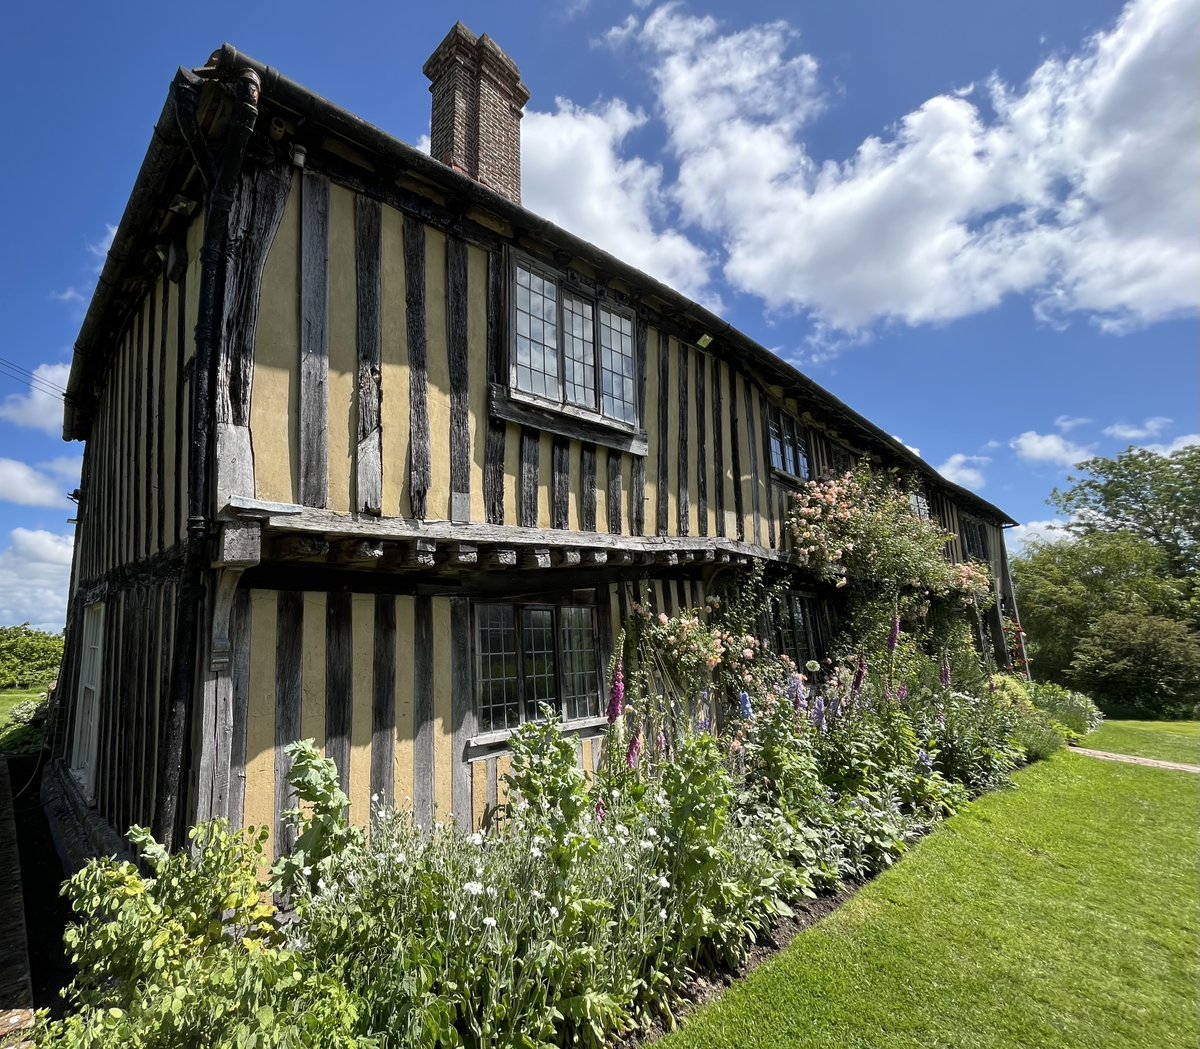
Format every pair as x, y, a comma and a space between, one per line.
375, 455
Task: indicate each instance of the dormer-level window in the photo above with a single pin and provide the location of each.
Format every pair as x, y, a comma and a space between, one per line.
789, 448
570, 348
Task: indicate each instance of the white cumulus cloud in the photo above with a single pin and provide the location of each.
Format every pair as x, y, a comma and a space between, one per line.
1035, 531
40, 408
24, 485
572, 172
1067, 423
1186, 440
1152, 427
35, 575
965, 470
1075, 188
1053, 448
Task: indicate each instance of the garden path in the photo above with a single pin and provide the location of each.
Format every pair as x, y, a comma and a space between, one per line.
1133, 759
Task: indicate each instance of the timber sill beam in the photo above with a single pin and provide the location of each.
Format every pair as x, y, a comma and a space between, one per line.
294, 526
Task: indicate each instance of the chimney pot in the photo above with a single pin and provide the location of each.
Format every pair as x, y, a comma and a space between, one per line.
478, 97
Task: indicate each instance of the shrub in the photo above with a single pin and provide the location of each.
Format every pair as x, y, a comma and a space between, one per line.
1073, 710
1139, 666
28, 712
191, 955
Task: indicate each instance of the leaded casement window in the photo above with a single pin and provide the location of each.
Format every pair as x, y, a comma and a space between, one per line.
841, 459
973, 534
801, 626
789, 446
919, 505
571, 348
87, 702
535, 653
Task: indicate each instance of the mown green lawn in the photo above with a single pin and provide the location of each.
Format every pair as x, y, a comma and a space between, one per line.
17, 737
1061, 913
1165, 740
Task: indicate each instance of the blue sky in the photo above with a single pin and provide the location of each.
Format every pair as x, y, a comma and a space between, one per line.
975, 223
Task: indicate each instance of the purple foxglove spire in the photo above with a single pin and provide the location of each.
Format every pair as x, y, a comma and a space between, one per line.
946, 673
901, 694
860, 676
635, 748
616, 695
894, 636
924, 763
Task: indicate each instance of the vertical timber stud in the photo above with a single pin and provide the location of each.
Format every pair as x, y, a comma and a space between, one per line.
587, 487
462, 709
614, 488
752, 451
160, 420
383, 700
664, 413
288, 632
136, 379
338, 684
735, 459
314, 340
701, 449
153, 496
239, 635
457, 294
684, 502
368, 477
493, 455
764, 412
561, 482
718, 452
530, 450
637, 479
418, 385
423, 710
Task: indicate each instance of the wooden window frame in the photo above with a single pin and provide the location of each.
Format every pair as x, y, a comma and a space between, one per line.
555, 603
794, 448
561, 415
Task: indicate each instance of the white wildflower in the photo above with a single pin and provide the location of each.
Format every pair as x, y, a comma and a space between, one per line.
663, 883
473, 888
553, 912
490, 922
662, 915
477, 838
453, 915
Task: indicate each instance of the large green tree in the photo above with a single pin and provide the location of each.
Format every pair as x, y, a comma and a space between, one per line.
1064, 586
1112, 607
1156, 497
29, 658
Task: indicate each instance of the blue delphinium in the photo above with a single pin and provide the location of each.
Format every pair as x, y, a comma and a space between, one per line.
746, 709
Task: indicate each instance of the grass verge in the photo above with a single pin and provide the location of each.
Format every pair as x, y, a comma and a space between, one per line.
1062, 913
1164, 740
16, 738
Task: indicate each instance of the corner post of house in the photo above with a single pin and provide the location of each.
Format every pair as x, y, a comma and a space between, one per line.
238, 547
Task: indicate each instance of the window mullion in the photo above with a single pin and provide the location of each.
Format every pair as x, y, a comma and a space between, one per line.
562, 344
519, 630
556, 627
597, 358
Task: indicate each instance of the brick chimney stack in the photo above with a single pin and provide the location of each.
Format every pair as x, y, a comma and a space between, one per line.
477, 101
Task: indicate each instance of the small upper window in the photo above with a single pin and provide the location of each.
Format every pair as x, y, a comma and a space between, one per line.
789, 449
571, 349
